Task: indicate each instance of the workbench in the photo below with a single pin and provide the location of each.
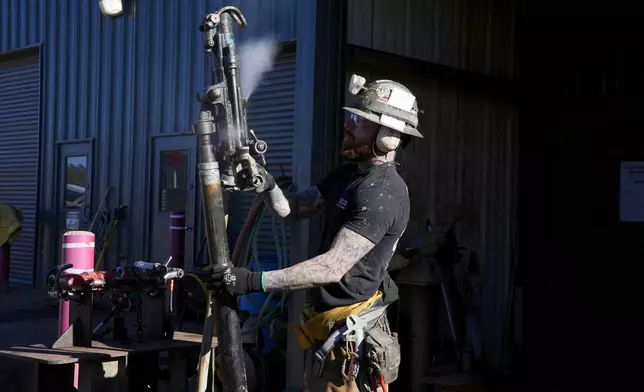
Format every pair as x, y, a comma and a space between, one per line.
106, 366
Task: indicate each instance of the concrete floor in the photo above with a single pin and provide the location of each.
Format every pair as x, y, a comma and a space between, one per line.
28, 317
28, 332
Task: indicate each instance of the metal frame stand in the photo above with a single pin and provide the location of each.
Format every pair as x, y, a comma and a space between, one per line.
109, 365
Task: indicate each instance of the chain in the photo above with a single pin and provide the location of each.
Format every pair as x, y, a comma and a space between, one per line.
139, 320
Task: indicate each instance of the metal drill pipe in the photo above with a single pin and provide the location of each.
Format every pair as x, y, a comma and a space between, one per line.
231, 69
204, 129
227, 134
223, 115
224, 307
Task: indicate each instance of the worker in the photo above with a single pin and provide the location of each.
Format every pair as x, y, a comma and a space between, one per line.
366, 206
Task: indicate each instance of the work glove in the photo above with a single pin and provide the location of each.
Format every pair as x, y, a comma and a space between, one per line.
269, 181
235, 281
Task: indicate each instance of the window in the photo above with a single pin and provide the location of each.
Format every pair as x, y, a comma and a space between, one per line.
75, 181
173, 183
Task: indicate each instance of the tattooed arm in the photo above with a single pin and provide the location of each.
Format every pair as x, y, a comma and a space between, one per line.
347, 249
302, 205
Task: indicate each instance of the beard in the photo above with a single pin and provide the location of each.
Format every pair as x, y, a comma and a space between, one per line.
356, 152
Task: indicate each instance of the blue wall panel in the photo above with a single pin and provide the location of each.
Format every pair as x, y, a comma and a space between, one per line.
120, 81
274, 17
88, 93
20, 23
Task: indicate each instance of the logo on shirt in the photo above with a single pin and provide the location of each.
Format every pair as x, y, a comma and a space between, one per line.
342, 204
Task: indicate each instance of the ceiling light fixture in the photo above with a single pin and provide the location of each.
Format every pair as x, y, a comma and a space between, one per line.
111, 7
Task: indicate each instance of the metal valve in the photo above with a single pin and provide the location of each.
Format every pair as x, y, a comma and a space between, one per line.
208, 26
173, 273
210, 95
257, 181
53, 282
259, 146
149, 269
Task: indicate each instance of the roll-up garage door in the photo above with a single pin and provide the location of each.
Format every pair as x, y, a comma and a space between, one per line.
19, 146
271, 114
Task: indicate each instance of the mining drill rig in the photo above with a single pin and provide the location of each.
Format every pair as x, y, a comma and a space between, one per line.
230, 158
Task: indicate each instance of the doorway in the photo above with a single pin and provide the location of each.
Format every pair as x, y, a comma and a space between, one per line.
172, 192
74, 204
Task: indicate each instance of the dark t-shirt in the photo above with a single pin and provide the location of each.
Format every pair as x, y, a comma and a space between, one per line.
373, 203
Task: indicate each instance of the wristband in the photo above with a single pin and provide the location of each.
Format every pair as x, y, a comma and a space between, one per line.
255, 282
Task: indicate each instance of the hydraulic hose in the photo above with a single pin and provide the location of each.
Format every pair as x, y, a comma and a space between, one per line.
249, 223
246, 229
242, 250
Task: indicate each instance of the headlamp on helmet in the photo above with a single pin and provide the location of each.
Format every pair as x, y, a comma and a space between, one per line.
385, 102
356, 84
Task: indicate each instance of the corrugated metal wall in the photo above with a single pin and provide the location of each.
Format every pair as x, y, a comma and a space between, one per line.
120, 81
470, 170
276, 18
474, 35
271, 113
466, 165
20, 23
19, 142
468, 161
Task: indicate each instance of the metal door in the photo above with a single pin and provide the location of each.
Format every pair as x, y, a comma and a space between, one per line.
74, 203
173, 191
19, 146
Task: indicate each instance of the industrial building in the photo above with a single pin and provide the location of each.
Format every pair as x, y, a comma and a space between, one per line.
115, 98
104, 107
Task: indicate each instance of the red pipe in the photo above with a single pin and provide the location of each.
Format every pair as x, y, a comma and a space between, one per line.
177, 251
76, 282
5, 263
177, 239
78, 250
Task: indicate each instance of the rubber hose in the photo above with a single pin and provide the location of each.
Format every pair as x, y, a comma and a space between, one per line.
249, 223
244, 234
253, 235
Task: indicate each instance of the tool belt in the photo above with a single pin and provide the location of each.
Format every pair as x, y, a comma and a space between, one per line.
365, 327
366, 322
376, 346
382, 351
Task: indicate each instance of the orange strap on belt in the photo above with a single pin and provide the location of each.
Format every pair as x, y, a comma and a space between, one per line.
378, 380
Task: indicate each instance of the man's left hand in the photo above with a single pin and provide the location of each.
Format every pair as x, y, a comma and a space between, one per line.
236, 281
